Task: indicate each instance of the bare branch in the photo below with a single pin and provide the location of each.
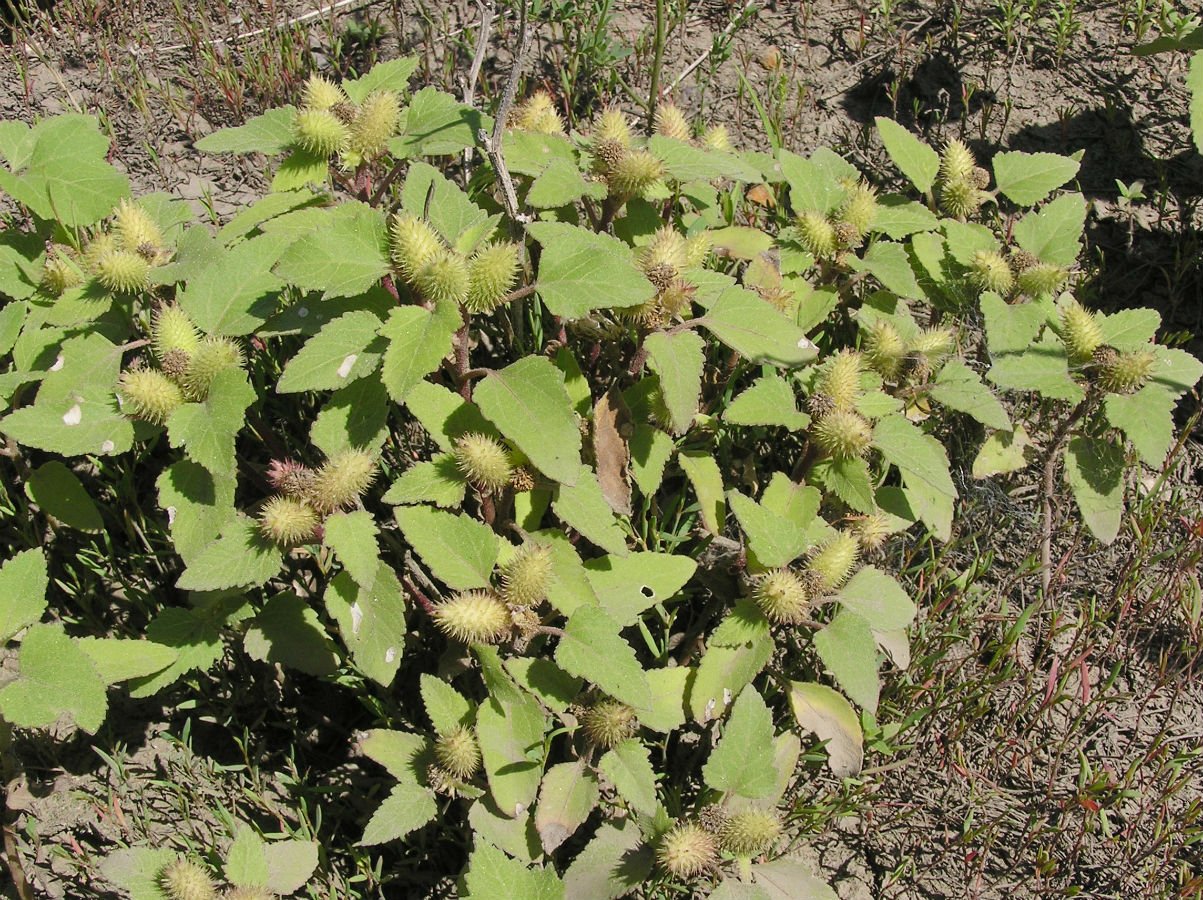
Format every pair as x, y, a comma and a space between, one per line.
492, 143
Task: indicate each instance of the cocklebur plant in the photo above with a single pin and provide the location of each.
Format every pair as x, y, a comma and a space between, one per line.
594, 455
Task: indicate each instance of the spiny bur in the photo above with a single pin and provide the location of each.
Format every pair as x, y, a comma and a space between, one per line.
60, 271
817, 235
373, 125
1041, 279
840, 379
859, 208
1125, 373
149, 394
957, 162
342, 480
872, 530
212, 356
664, 256
185, 880
538, 114
134, 227
608, 723
444, 278
782, 596
960, 199
612, 125
320, 93
833, 561
320, 131
671, 122
750, 832
991, 271
123, 271
97, 249
414, 244
885, 349
458, 752
287, 521
491, 275
634, 174
172, 329
697, 248
843, 434
717, 138
484, 461
687, 851
1080, 331
525, 578
474, 617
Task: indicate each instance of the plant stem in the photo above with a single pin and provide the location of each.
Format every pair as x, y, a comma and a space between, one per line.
657, 67
1048, 485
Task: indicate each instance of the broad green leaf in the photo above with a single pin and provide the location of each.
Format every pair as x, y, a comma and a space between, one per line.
742, 761
233, 291
877, 598
336, 356
669, 687
812, 187
207, 430
392, 75
1194, 81
445, 415
194, 634
626, 586
402, 753
60, 493
889, 264
920, 458
406, 809
736, 652
436, 124
615, 863
553, 687
198, 504
965, 239
458, 550
1011, 328
1003, 452
516, 836
567, 795
510, 732
246, 863
750, 326
629, 768
301, 168
898, 217
772, 541
1044, 368
438, 481
355, 416
56, 679
343, 257
138, 871
119, 659
574, 382
1054, 233
288, 631
371, 621
791, 879
829, 715
560, 183
241, 557
592, 649
528, 403
529, 153
1146, 418
848, 479
740, 242
1094, 471
270, 133
290, 864
678, 361
769, 401
492, 875
452, 214
849, 652
703, 473
1176, 370
684, 162
267, 207
650, 450
1128, 329
959, 387
569, 586
583, 507
445, 706
730, 889
796, 504
418, 339
580, 271
23, 583
914, 159
1028, 178
352, 537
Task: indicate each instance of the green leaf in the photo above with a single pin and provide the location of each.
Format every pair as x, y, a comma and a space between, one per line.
889, 264
458, 550
1094, 471
207, 430
742, 761
56, 679
650, 450
568, 794
491, 875
371, 621
1028, 178
528, 403
898, 217
233, 291
758, 332
769, 401
740, 242
583, 507
195, 635
1011, 328
60, 493
241, 557
198, 504
119, 659
569, 587
1194, 81
355, 416
438, 481
301, 168
23, 583
402, 753
736, 652
445, 415
288, 631
829, 715
1128, 329
342, 257
269, 206
352, 537
334, 357
290, 864
849, 652
877, 598
677, 360
772, 541
561, 183
629, 585
592, 649
246, 862
1044, 368
516, 837
270, 133
452, 214
669, 687
1002, 452
791, 879
923, 463
418, 340
137, 871
1146, 418
959, 387
965, 239
703, 473
848, 479
553, 687
510, 732
1176, 370
613, 864
530, 153
436, 124
1054, 233
445, 706
392, 75
914, 159
629, 768
684, 162
580, 271
812, 187
406, 809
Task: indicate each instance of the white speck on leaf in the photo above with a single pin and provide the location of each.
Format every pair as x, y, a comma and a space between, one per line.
170, 515
58, 363
302, 312
108, 447
73, 416
345, 369
356, 618
390, 654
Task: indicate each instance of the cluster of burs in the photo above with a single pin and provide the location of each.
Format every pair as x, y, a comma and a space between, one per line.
187, 880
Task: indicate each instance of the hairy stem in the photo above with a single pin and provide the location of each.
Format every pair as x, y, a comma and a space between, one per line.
657, 67
1048, 485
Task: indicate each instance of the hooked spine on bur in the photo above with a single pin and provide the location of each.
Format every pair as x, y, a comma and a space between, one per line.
492, 272
782, 595
185, 880
687, 850
834, 560
537, 114
287, 520
750, 832
1080, 331
458, 752
474, 617
341, 481
483, 461
149, 394
608, 723
525, 578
